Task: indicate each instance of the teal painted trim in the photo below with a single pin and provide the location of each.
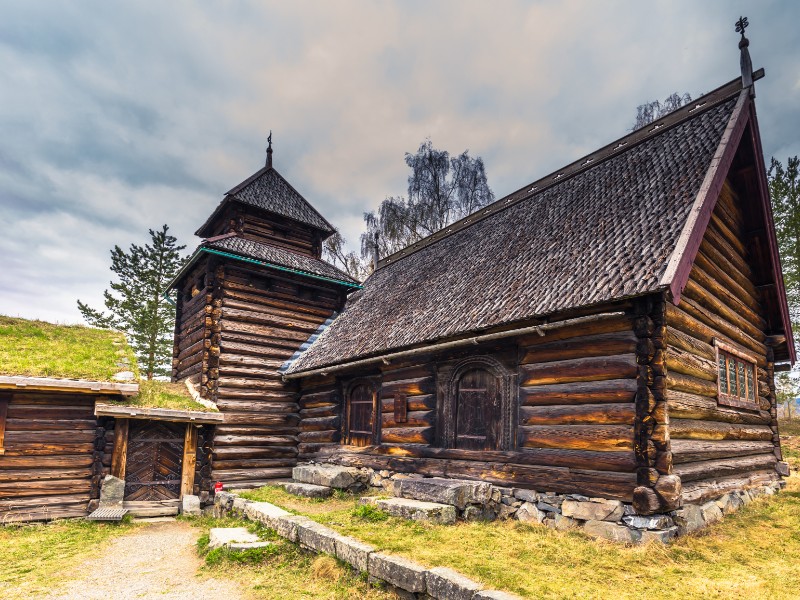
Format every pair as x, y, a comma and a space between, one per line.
279, 268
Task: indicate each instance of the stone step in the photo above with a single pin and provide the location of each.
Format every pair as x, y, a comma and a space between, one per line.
332, 476
416, 510
455, 492
307, 490
235, 539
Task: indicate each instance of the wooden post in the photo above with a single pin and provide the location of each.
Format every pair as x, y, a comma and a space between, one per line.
189, 460
120, 456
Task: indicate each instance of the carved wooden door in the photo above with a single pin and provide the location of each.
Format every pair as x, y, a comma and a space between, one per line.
361, 416
478, 411
155, 454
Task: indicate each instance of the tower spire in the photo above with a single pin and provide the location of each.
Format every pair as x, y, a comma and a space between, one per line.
744, 60
269, 150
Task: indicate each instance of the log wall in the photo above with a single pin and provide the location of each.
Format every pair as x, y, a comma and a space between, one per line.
716, 448
55, 455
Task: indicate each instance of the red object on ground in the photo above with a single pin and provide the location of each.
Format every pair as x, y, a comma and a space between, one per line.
218, 487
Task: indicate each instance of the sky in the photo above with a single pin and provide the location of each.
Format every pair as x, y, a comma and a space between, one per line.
118, 117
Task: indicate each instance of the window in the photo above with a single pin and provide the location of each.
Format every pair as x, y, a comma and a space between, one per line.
736, 377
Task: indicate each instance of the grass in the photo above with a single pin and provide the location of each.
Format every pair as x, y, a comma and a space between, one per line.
39, 349
33, 557
754, 553
162, 394
282, 571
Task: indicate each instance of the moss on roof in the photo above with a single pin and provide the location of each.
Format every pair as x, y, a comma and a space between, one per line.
162, 394
40, 349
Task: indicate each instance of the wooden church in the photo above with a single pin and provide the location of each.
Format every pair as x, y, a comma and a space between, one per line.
612, 329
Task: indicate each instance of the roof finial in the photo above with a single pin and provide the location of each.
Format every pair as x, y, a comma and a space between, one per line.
269, 150
744, 61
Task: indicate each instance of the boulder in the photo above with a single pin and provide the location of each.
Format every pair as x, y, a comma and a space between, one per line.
446, 584
112, 491
596, 509
190, 505
663, 536
526, 495
711, 512
307, 490
562, 523
689, 518
530, 513
649, 522
440, 490
397, 571
611, 531
332, 476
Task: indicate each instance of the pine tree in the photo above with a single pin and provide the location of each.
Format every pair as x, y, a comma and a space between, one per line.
136, 303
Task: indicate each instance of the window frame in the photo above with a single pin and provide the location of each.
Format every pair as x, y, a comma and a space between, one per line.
740, 359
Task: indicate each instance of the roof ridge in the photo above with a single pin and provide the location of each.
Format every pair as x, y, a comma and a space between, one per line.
303, 198
705, 102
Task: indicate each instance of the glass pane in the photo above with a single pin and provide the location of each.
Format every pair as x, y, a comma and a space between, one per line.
742, 388
753, 382
723, 375
734, 388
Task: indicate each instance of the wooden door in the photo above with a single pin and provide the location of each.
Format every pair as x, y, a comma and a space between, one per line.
361, 416
478, 411
154, 460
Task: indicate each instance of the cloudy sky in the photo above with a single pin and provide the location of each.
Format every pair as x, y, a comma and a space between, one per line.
116, 117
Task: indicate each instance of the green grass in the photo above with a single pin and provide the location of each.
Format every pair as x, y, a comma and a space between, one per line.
34, 557
39, 349
754, 553
162, 394
282, 571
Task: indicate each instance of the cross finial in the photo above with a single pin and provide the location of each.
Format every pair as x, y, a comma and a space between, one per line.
269, 149
741, 25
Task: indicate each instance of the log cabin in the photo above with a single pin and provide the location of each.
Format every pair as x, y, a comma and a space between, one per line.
72, 412
610, 330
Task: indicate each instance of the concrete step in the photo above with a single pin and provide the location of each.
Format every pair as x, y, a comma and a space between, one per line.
415, 510
332, 476
455, 492
307, 490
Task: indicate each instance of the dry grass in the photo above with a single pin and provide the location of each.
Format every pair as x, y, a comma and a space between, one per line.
754, 553
33, 558
39, 349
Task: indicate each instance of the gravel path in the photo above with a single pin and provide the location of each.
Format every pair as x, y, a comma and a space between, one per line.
155, 561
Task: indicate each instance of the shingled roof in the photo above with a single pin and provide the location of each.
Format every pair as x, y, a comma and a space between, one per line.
268, 190
605, 228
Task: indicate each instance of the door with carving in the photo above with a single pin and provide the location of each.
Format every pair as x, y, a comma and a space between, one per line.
478, 413
153, 465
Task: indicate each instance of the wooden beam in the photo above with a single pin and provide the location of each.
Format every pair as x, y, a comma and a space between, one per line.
120, 456
4, 400
189, 460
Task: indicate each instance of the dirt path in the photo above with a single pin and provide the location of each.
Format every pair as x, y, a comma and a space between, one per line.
155, 561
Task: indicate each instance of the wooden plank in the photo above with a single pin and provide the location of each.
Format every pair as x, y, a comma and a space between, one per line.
189, 460
725, 467
120, 455
713, 430
581, 414
158, 414
580, 369
603, 344
579, 437
18, 382
612, 391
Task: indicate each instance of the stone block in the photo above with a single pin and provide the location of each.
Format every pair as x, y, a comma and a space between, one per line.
446, 584
476, 513
354, 552
242, 546
225, 536
287, 527
730, 503
689, 518
782, 468
398, 571
663, 536
530, 513
596, 509
495, 595
711, 512
418, 510
562, 523
314, 536
611, 531
239, 504
458, 493
526, 495
546, 507
506, 511
112, 491
265, 513
307, 490
332, 476
648, 522
190, 505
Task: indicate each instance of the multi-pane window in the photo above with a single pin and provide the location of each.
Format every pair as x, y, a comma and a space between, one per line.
738, 383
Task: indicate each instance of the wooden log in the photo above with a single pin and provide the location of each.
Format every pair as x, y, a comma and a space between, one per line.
580, 369
691, 406
718, 225
120, 456
720, 267
604, 324
414, 403
410, 387
603, 414
319, 436
226, 405
252, 383
267, 324
189, 463
418, 418
232, 288
584, 437
698, 492
723, 327
45, 514
49, 501
407, 435
50, 424
706, 299
676, 338
251, 474
241, 452
81, 436
686, 363
603, 344
254, 304
51, 487
26, 411
329, 410
749, 309
611, 391
275, 395
320, 423
277, 425
23, 475
46, 462
686, 450
712, 430
39, 449
691, 385
713, 238
253, 439
711, 469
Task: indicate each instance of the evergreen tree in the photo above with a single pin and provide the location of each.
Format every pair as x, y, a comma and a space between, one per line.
784, 189
136, 304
